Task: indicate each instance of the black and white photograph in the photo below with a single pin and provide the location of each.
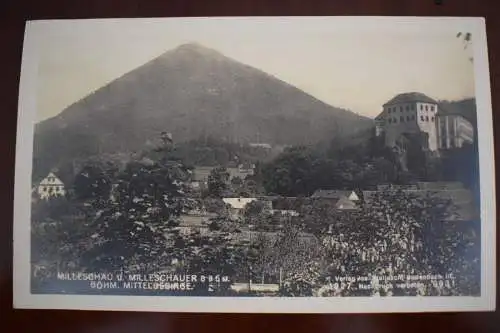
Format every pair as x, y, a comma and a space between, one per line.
255, 164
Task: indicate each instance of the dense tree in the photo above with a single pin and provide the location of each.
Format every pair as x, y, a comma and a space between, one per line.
395, 231
136, 229
300, 171
217, 182
59, 233
91, 183
290, 173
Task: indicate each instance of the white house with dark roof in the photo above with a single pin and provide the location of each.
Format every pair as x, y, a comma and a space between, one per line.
237, 205
51, 186
412, 115
343, 200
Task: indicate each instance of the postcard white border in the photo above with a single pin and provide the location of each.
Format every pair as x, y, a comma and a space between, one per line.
22, 196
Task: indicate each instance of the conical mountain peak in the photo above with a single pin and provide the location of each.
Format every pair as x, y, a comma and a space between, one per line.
193, 92
197, 49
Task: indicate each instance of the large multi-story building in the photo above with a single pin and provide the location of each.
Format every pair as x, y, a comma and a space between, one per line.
415, 115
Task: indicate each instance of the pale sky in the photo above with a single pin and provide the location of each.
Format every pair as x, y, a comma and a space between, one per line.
357, 67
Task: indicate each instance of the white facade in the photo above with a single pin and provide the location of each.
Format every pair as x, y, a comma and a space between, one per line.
51, 186
454, 131
412, 117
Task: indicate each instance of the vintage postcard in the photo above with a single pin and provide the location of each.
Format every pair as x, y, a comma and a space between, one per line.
316, 165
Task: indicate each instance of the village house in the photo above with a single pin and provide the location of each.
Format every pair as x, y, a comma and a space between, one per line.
51, 186
414, 115
194, 222
283, 206
199, 177
342, 200
236, 206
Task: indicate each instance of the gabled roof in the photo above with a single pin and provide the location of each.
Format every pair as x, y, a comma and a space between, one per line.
411, 97
238, 203
345, 203
51, 180
331, 194
380, 116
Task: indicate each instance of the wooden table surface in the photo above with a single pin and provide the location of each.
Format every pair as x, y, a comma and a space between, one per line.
13, 14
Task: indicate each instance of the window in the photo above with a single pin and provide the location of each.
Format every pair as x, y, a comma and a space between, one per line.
402, 119
432, 108
421, 107
395, 121
432, 119
390, 120
407, 108
413, 107
389, 110
400, 109
427, 108
426, 118
44, 189
422, 118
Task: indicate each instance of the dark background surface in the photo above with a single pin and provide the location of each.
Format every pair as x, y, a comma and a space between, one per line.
13, 14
